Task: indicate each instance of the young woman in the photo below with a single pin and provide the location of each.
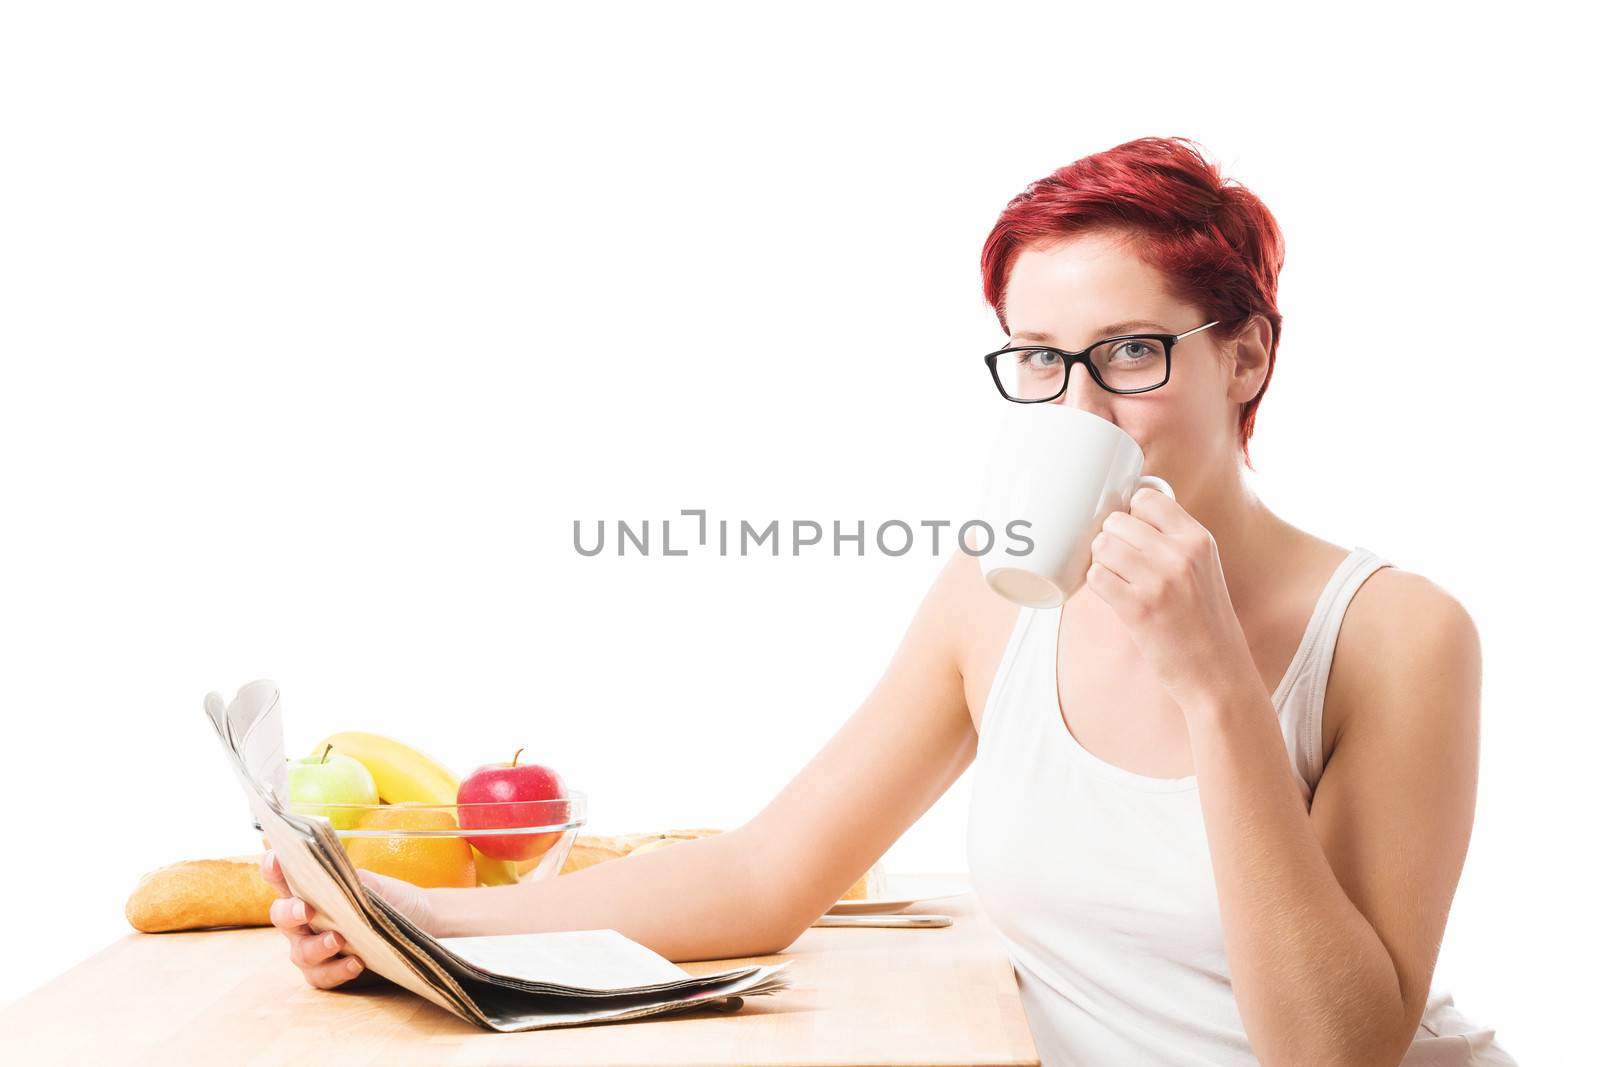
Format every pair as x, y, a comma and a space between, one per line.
1203, 835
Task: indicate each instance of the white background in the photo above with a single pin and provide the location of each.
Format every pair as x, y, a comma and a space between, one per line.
293, 302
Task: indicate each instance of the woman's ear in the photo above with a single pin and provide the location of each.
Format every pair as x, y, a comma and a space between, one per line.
1249, 359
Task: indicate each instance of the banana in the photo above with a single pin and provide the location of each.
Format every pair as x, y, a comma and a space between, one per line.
408, 776
403, 774
492, 871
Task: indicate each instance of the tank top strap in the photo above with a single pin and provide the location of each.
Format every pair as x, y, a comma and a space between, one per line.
1309, 685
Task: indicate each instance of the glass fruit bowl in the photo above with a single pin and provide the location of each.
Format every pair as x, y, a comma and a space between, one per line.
501, 842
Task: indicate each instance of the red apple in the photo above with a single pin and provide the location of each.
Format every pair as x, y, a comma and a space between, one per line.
503, 795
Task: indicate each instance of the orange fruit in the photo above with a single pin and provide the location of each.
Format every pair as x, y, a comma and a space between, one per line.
426, 861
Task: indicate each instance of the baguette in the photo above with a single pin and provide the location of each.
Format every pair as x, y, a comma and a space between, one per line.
198, 894
872, 884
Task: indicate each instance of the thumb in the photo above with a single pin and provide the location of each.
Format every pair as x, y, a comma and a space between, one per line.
408, 899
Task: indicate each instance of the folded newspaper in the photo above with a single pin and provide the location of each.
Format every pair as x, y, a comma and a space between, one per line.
505, 982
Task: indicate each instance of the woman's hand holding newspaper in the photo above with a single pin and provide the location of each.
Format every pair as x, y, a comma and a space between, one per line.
319, 955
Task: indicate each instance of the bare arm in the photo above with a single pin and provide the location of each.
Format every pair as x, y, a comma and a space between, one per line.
753, 890
1333, 919
693, 901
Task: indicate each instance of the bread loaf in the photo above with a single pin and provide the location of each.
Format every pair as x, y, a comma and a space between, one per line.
870, 885
196, 894
660, 842
587, 851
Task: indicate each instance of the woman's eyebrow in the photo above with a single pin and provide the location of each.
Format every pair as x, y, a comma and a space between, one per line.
1105, 331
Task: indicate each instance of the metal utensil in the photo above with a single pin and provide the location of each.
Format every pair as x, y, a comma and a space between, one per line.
914, 921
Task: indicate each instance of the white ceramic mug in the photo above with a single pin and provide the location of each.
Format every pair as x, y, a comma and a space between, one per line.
1063, 470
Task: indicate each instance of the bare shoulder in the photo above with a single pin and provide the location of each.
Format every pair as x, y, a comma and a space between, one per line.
980, 621
1398, 616
1402, 634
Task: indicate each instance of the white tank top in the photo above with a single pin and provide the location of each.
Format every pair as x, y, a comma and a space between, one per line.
1099, 880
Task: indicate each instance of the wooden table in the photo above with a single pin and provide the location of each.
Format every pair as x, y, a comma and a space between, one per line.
859, 996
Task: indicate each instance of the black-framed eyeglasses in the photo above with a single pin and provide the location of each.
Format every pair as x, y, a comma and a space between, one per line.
1128, 363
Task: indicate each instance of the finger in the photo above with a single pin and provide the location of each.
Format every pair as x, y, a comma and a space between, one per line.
336, 971
403, 895
1132, 529
381, 884
1134, 549
1119, 557
272, 873
314, 948
1154, 545
290, 914
1158, 509
406, 898
1107, 584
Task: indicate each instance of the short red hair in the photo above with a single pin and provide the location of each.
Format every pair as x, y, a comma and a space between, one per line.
1217, 244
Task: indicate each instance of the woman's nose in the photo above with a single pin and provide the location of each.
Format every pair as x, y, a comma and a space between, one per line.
1084, 393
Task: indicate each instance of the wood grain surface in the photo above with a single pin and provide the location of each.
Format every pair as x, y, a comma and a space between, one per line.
867, 996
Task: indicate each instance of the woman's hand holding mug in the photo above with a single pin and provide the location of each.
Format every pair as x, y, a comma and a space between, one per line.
1063, 470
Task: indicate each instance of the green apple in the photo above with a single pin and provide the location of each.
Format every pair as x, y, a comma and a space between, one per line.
331, 778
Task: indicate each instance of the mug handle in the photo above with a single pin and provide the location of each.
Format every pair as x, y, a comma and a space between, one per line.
1154, 483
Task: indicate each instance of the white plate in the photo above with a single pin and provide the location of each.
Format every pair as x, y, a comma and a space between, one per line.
903, 891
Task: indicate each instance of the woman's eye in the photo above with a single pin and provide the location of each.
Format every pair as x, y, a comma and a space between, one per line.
1133, 351
1040, 360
